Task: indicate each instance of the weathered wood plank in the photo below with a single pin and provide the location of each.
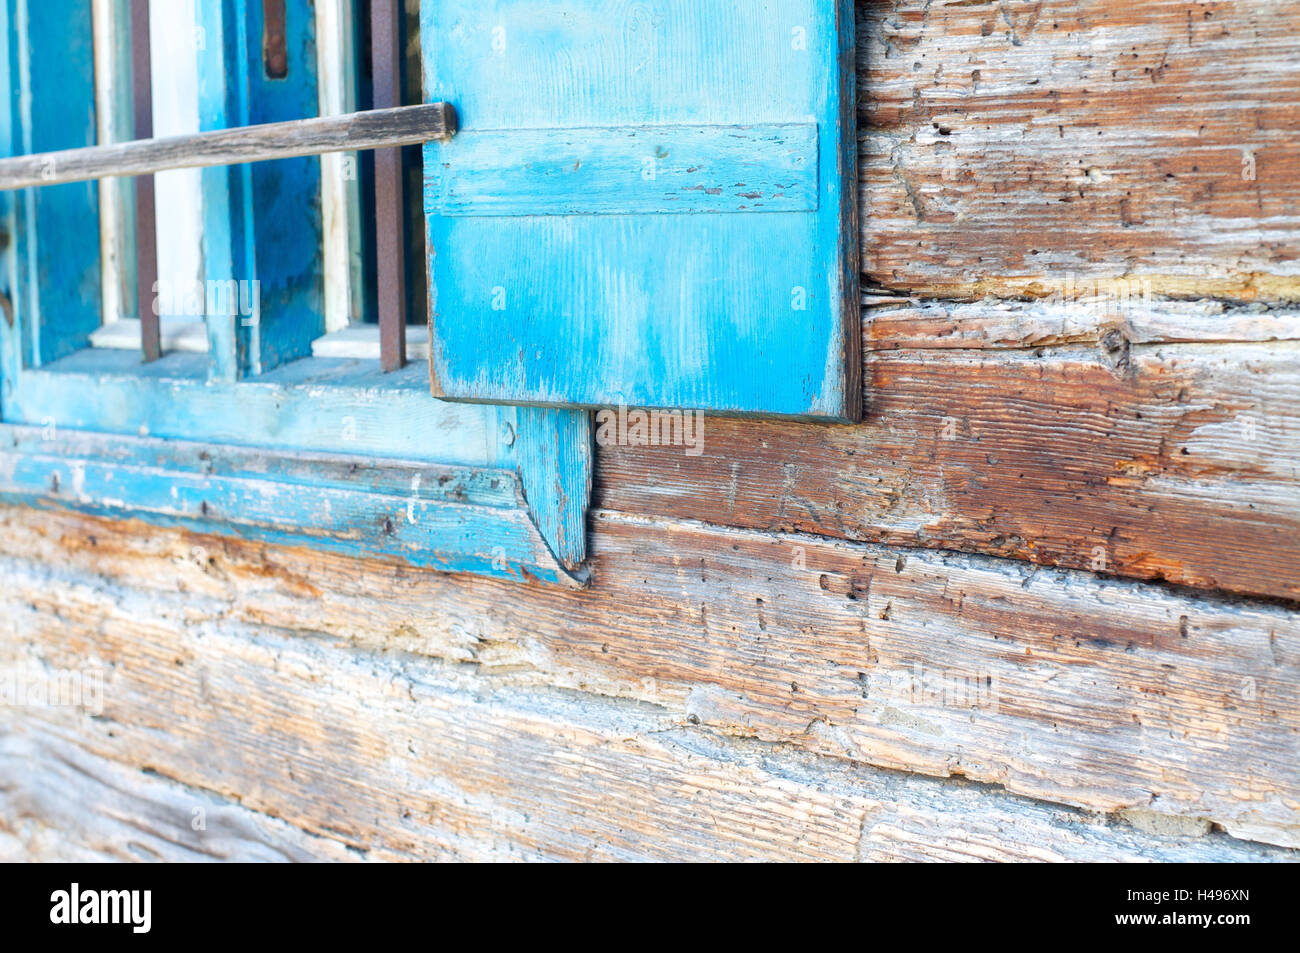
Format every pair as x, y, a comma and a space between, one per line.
401, 757
375, 129
764, 167
1174, 462
1106, 695
60, 804
1118, 315
1007, 146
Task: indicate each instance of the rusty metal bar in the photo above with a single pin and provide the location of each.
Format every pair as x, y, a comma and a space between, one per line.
390, 219
275, 52
146, 220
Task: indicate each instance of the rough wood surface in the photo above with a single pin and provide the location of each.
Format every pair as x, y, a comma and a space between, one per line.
1005, 146
1175, 462
1106, 695
375, 129
776, 624
401, 757
58, 803
1088, 315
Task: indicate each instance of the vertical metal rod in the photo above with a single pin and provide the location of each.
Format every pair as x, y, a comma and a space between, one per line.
390, 218
146, 222
275, 52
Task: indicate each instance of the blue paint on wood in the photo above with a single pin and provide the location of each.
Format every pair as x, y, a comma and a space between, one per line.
320, 406
246, 440
427, 516
553, 452
262, 222
311, 405
766, 168
735, 313
52, 273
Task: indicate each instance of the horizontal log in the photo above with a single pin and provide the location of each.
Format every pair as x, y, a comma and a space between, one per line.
375, 129
404, 759
60, 804
1117, 315
1106, 695
1163, 462
1006, 148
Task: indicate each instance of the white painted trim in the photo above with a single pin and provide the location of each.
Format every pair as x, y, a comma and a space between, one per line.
113, 193
362, 341
340, 196
178, 334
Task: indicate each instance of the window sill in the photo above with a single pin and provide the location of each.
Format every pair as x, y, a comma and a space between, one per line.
453, 519
182, 335
362, 341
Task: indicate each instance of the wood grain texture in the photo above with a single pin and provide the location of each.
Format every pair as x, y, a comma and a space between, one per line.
1005, 146
1118, 317
715, 169
60, 804
742, 693
375, 129
1111, 696
1174, 462
407, 758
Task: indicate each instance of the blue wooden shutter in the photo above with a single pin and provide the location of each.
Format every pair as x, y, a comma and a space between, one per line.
50, 288
648, 204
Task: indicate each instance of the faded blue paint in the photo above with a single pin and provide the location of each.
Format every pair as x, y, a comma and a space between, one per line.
327, 453
553, 452
752, 312
342, 407
311, 405
770, 168
52, 267
262, 221
434, 517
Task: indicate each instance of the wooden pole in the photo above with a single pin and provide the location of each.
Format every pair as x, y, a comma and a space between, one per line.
374, 129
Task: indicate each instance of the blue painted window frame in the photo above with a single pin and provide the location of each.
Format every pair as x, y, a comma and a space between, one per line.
256, 438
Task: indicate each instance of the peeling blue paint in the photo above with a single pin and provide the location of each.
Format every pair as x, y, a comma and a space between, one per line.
564, 270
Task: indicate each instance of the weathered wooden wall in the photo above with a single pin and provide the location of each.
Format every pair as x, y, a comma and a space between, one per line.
1086, 505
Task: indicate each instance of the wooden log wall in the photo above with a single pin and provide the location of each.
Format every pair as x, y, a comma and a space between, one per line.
1074, 502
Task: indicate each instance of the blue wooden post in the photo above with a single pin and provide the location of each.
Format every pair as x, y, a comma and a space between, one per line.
262, 223
49, 237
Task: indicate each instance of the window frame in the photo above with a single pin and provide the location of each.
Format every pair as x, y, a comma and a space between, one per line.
497, 490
